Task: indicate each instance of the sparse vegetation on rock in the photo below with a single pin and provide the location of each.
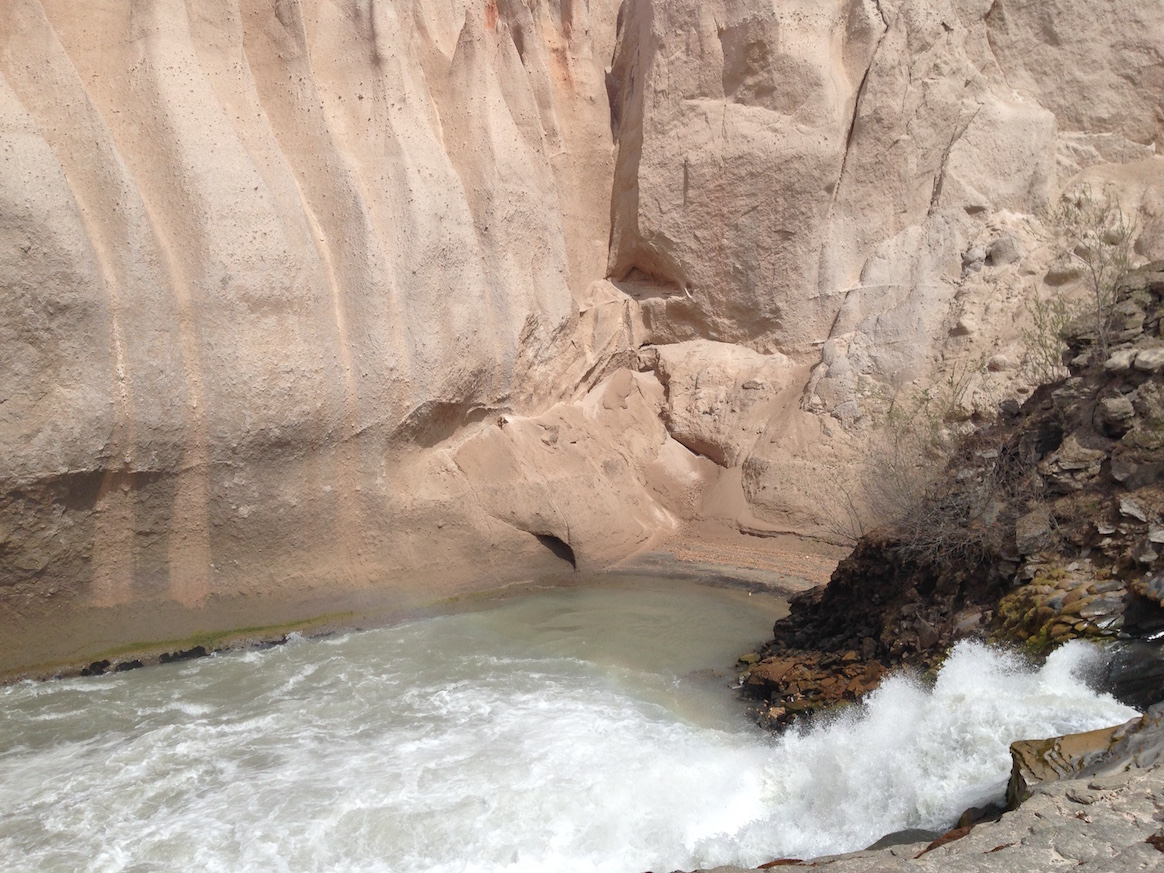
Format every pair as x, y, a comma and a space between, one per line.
1094, 238
1045, 526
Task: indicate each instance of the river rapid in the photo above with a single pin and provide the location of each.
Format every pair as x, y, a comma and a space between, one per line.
578, 729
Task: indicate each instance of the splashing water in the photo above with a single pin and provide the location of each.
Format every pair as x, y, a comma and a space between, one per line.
521, 738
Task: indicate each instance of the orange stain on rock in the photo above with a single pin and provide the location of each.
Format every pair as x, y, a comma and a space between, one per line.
491, 14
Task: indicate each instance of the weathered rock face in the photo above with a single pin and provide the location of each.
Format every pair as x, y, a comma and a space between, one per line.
855, 185
1037, 533
259, 261
311, 296
1138, 744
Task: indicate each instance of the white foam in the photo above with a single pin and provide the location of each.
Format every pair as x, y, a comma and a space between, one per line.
913, 757
425, 748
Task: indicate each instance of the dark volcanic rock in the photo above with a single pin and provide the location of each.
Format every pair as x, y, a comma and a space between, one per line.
1134, 673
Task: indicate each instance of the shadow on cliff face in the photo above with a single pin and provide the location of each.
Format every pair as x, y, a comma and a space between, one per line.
560, 548
47, 520
434, 421
1045, 527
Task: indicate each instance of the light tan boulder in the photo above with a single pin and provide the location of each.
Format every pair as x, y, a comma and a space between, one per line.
720, 397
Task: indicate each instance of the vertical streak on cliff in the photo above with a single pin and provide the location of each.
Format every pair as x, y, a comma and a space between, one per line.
156, 77
218, 33
349, 517
31, 55
189, 542
342, 235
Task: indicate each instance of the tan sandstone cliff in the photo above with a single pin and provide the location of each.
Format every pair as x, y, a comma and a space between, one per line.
307, 305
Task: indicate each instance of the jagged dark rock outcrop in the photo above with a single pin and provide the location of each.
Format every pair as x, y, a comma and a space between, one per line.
1048, 526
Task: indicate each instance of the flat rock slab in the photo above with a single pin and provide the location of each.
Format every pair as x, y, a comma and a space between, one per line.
1080, 825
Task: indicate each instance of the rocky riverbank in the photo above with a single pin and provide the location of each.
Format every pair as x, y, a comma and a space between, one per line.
1047, 527
1061, 516
1090, 801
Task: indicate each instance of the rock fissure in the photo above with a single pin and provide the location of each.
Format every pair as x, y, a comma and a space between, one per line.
940, 176
856, 114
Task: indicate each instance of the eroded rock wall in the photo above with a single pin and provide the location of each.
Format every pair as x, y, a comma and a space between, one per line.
259, 260
305, 297
859, 185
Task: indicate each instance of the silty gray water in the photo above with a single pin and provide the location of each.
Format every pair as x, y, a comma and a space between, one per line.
581, 729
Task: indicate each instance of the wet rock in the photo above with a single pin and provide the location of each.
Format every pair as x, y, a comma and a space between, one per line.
906, 837
1138, 744
1134, 673
978, 814
184, 655
96, 668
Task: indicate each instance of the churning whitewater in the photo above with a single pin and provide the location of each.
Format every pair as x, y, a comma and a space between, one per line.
542, 734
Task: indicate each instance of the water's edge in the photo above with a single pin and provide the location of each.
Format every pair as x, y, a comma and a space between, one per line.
583, 728
378, 610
